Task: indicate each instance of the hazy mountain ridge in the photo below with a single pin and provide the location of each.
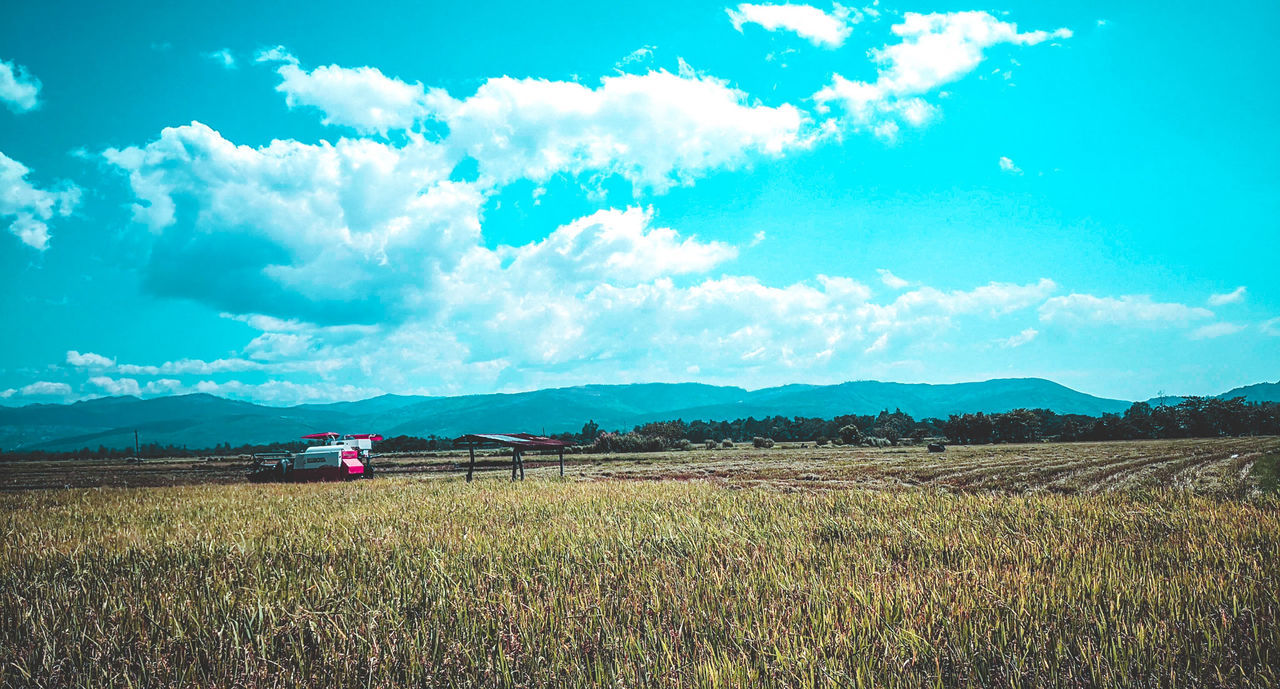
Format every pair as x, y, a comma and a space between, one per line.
201, 420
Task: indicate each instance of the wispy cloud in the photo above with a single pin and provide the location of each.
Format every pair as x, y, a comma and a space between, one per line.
821, 28
1087, 309
1233, 297
1213, 330
935, 49
1020, 339
19, 89
892, 281
223, 57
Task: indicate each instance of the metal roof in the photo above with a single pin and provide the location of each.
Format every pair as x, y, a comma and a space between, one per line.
512, 440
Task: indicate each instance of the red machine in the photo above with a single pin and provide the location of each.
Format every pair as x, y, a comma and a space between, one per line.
339, 458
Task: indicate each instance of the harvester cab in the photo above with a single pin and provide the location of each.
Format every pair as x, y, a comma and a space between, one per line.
337, 457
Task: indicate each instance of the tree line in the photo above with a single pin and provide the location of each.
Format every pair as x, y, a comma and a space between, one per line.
1193, 417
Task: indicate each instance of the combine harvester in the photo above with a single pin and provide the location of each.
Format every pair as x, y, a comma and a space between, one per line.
340, 458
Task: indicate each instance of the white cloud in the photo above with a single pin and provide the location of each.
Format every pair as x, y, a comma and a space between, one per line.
28, 208
821, 28
19, 89
1271, 326
639, 56
1214, 330
42, 388
935, 50
223, 57
655, 129
192, 366
362, 97
1087, 309
1008, 165
89, 360
1020, 339
361, 261
892, 281
615, 246
1233, 297
344, 232
282, 392
117, 386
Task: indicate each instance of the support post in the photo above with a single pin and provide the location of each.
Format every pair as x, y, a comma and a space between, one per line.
562, 461
471, 467
515, 461
521, 454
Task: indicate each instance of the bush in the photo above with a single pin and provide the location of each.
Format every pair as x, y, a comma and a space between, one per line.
762, 442
850, 434
631, 442
837, 441
726, 443
710, 444
682, 444
821, 441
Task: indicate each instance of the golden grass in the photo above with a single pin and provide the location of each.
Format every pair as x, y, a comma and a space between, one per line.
767, 581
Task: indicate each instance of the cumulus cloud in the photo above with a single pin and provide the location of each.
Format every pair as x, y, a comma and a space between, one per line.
339, 232
656, 129
1233, 297
616, 246
117, 386
361, 97
361, 260
934, 50
1087, 309
824, 29
29, 209
284, 392
41, 388
19, 89
89, 360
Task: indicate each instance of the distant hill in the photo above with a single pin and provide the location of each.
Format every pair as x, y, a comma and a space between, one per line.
1258, 392
201, 420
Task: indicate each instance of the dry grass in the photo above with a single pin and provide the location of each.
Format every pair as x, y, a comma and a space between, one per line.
1124, 564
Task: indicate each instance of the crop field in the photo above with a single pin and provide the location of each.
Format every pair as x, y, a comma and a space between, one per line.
1062, 565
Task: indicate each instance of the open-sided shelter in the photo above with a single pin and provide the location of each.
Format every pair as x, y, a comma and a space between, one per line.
518, 442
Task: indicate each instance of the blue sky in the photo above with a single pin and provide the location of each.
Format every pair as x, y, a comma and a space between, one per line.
292, 202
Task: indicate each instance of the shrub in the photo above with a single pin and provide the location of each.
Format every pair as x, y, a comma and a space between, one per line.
683, 444
710, 444
851, 434
822, 440
762, 442
726, 443
630, 442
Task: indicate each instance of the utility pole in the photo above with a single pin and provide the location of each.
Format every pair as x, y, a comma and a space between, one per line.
137, 452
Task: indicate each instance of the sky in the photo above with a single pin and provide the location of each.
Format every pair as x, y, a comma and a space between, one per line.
306, 202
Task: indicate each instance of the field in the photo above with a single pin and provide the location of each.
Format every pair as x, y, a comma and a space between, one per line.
1109, 564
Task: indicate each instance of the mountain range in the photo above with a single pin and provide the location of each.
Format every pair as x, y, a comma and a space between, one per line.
201, 420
